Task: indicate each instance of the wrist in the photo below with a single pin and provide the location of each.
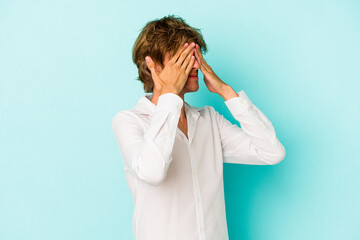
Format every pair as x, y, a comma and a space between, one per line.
228, 92
166, 89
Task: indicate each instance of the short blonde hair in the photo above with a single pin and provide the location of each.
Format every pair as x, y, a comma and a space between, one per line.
159, 36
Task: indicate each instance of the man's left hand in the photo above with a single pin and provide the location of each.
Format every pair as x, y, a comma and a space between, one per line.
212, 81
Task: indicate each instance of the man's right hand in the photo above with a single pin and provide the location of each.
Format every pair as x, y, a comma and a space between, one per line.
175, 73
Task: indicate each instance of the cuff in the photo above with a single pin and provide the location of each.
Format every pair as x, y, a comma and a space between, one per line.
239, 105
169, 102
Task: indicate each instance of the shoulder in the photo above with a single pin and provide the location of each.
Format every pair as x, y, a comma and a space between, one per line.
207, 109
203, 110
207, 112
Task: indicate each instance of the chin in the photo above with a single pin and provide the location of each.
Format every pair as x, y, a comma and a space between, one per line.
193, 88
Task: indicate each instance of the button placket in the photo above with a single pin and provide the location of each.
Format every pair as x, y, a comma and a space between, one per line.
199, 208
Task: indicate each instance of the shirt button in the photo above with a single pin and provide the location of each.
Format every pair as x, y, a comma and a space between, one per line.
194, 172
201, 228
198, 199
242, 101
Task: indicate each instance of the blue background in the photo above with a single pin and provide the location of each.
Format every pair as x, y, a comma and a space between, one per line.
66, 70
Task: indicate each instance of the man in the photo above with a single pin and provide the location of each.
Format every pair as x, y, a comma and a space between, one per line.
174, 152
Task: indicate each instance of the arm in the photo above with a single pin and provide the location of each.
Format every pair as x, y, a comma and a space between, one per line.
256, 142
147, 154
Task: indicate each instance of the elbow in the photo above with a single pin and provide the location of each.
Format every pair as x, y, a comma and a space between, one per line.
154, 174
154, 179
156, 182
279, 156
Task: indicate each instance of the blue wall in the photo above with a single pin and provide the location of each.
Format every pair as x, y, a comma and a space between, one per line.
66, 70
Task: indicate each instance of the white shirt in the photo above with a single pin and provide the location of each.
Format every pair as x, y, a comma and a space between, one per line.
177, 182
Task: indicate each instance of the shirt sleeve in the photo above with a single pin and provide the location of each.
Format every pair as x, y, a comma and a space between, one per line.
147, 153
255, 142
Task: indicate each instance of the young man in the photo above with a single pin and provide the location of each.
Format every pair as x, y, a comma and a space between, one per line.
174, 152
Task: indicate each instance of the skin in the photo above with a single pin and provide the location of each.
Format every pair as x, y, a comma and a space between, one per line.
212, 81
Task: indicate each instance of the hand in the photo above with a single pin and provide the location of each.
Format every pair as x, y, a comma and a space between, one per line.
212, 81
175, 73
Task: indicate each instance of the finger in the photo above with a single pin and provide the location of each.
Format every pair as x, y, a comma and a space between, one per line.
190, 65
184, 54
197, 57
199, 53
201, 59
199, 50
187, 59
151, 65
176, 56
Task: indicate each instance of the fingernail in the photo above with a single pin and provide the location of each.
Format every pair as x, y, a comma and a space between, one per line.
185, 44
147, 59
